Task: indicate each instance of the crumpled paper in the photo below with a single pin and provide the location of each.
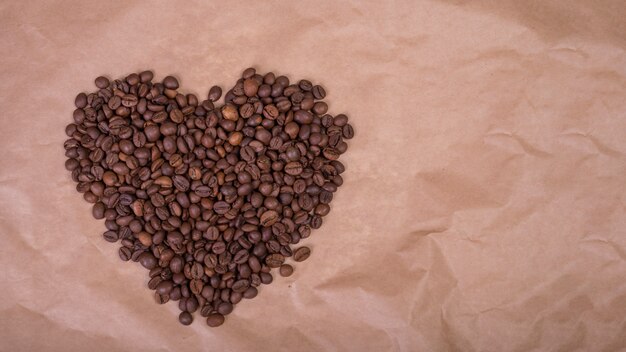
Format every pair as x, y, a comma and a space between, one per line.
483, 204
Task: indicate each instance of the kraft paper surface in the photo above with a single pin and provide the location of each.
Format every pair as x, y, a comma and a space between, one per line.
484, 200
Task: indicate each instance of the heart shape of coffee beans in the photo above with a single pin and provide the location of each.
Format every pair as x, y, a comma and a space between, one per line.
209, 198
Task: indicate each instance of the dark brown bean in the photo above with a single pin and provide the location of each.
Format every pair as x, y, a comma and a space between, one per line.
215, 320
301, 254
170, 82
185, 318
286, 270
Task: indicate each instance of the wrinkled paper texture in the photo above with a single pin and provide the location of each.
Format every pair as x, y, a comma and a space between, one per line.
484, 197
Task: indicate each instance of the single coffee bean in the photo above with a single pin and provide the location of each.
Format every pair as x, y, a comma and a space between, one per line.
225, 308
269, 218
170, 82
164, 287
230, 112
286, 270
215, 320
125, 253
275, 260
215, 93
154, 282
111, 236
240, 286
301, 254
102, 82
81, 100
185, 318
293, 168
147, 260
146, 76
250, 86
250, 293
318, 92
347, 131
161, 299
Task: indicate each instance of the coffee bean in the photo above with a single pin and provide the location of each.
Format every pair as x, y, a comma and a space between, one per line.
170, 82
318, 92
240, 286
197, 271
347, 131
129, 100
125, 253
269, 218
248, 72
154, 282
181, 183
144, 238
161, 299
185, 318
286, 270
301, 254
230, 112
176, 116
316, 222
275, 260
250, 293
320, 108
250, 86
81, 100
303, 117
215, 93
225, 308
111, 236
215, 320
147, 260
102, 82
164, 287
98, 210
293, 168
146, 76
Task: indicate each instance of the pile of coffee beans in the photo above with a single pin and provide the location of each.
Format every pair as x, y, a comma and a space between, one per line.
209, 198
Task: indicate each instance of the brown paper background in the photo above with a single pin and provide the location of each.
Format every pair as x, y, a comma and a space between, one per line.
483, 208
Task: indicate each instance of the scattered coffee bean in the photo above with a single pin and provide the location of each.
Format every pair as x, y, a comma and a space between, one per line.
215, 320
286, 270
185, 318
209, 198
170, 82
301, 254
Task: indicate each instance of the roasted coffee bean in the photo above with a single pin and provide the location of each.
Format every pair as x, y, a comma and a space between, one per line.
102, 82
111, 236
209, 197
318, 92
301, 254
161, 299
147, 260
240, 285
215, 320
215, 93
165, 287
275, 260
125, 253
185, 318
170, 82
225, 308
293, 168
269, 218
286, 270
